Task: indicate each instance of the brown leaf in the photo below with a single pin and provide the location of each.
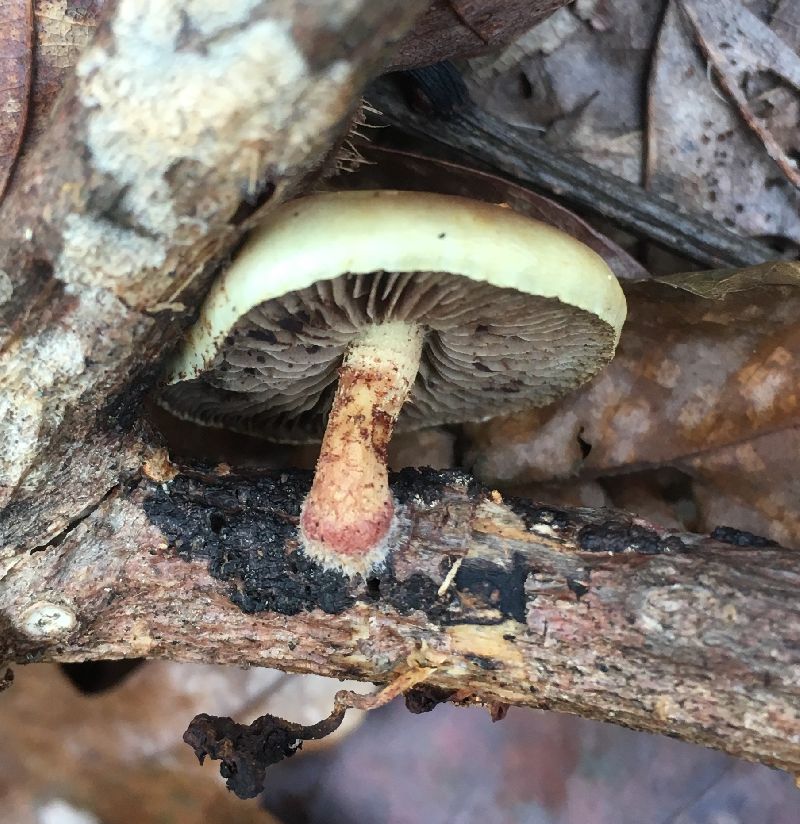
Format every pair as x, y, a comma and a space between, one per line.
15, 78
62, 31
718, 283
707, 386
751, 485
690, 375
750, 61
390, 168
39, 46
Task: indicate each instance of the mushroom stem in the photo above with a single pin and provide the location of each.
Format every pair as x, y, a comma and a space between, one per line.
348, 512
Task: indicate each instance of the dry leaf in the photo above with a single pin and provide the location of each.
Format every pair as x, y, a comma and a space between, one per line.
786, 22
63, 29
690, 375
699, 151
752, 485
450, 28
718, 283
39, 46
578, 77
750, 61
707, 385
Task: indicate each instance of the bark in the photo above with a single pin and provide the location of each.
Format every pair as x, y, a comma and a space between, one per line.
179, 126
590, 612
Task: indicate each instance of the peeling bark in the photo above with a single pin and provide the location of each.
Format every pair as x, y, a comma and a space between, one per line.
590, 612
182, 120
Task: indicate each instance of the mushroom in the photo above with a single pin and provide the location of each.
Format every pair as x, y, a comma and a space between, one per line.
427, 308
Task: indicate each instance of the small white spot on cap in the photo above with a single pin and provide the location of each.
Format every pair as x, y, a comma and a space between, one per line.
45, 619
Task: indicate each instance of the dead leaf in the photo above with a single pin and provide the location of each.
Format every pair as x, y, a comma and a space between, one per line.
752, 485
16, 32
699, 152
450, 28
786, 22
62, 30
751, 62
40, 42
718, 283
690, 375
577, 78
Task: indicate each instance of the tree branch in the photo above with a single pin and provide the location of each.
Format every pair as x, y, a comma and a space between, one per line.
175, 129
583, 611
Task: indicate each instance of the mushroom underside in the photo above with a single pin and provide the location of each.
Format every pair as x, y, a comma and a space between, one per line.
486, 350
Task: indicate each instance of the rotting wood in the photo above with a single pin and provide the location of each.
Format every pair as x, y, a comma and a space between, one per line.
176, 128
478, 135
589, 612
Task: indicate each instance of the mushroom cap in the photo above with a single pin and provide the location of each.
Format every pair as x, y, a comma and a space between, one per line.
515, 313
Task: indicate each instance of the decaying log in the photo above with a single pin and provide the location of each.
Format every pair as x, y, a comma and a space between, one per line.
589, 612
181, 121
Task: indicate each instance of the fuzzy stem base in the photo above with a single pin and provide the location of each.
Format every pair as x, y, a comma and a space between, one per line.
348, 513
